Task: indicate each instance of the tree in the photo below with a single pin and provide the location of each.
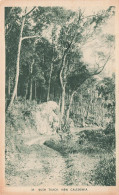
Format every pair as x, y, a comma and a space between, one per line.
18, 55
76, 34
50, 57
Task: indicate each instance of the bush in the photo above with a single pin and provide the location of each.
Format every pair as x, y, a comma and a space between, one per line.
87, 142
110, 129
105, 173
19, 120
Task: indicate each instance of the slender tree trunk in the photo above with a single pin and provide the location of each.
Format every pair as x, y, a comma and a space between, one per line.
16, 94
63, 101
82, 111
49, 83
30, 97
63, 85
35, 90
17, 64
87, 111
68, 95
71, 100
26, 91
31, 81
18, 57
9, 84
60, 102
54, 92
93, 106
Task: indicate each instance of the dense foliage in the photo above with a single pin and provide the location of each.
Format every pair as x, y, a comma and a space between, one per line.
44, 56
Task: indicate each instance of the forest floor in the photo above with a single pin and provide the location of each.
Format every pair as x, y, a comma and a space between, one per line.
40, 165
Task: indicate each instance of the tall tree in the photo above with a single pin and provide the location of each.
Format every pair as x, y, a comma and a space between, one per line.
73, 34
18, 55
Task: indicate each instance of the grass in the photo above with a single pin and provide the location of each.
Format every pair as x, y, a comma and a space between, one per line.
105, 172
98, 144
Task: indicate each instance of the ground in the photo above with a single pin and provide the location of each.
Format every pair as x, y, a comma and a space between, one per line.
39, 158
40, 166
43, 166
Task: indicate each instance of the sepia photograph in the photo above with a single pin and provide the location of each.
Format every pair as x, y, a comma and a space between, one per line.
60, 97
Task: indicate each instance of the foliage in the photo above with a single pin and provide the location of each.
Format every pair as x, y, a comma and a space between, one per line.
105, 172
96, 106
57, 31
19, 122
85, 142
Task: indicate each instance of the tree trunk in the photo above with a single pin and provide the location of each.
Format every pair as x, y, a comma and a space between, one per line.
30, 97
17, 64
87, 110
49, 83
82, 110
31, 81
93, 106
35, 91
71, 100
18, 56
54, 93
9, 84
63, 85
26, 91
63, 101
16, 94
59, 103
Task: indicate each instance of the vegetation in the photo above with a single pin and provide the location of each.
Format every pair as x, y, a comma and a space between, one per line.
46, 64
86, 141
52, 67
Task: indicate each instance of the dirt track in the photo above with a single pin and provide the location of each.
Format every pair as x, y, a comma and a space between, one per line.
42, 166
39, 166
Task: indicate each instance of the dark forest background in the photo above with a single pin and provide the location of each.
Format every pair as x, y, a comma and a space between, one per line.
44, 68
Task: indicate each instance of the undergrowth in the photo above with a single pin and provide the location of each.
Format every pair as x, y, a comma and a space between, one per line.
91, 143
19, 122
104, 173
85, 141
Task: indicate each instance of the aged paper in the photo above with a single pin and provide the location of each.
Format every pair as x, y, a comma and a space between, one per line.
59, 88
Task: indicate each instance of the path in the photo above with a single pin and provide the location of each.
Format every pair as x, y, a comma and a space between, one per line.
40, 165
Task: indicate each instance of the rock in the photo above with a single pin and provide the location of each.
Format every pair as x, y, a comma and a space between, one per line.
47, 117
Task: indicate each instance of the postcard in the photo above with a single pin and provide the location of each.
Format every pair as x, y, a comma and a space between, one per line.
59, 90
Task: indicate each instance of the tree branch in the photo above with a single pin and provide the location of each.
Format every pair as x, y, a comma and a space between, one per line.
31, 37
102, 68
70, 44
29, 12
